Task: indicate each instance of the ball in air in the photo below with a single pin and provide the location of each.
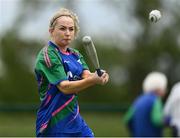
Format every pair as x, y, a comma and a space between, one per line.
86, 39
154, 16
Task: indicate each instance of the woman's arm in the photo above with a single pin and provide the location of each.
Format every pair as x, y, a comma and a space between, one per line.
86, 73
69, 87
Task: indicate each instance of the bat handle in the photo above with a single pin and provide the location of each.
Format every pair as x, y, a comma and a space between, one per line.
99, 72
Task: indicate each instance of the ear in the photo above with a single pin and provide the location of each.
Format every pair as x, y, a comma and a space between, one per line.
51, 30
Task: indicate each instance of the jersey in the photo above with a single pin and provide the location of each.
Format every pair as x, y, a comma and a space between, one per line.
145, 117
58, 112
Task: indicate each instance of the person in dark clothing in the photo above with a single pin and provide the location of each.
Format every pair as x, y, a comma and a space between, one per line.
145, 116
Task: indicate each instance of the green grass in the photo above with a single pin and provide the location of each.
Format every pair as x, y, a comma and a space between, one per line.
103, 124
106, 124
23, 124
17, 124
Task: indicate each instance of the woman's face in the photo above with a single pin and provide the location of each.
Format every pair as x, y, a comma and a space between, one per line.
63, 32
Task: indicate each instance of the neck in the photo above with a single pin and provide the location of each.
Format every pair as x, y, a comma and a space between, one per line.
63, 49
60, 47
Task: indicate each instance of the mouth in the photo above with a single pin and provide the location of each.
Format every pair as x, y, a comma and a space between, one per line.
67, 39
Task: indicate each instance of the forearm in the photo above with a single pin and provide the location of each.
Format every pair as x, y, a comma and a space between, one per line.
69, 87
89, 79
86, 73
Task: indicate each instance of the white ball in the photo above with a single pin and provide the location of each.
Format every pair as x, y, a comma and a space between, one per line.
154, 16
86, 39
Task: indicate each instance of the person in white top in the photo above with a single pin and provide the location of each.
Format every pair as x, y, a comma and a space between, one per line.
172, 109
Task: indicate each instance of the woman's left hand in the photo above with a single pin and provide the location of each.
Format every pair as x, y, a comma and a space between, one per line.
105, 78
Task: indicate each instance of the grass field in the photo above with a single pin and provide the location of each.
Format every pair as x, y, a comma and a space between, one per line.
23, 124
103, 124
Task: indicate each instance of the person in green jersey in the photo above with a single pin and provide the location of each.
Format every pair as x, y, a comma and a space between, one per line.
61, 74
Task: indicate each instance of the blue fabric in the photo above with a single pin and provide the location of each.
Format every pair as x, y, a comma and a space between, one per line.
70, 63
86, 132
54, 99
140, 124
45, 112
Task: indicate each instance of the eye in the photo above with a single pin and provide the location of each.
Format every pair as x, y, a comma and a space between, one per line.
71, 29
62, 28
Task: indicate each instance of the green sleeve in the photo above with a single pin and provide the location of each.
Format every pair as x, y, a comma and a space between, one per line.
52, 68
157, 113
129, 115
85, 66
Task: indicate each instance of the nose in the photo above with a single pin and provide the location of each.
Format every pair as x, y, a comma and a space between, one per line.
67, 32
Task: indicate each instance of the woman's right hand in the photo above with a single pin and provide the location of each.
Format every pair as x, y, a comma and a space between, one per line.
99, 80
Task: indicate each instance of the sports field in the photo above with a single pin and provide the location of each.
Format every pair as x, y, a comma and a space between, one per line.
104, 124
23, 124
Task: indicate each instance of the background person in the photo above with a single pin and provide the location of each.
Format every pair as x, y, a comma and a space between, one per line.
145, 116
62, 73
172, 109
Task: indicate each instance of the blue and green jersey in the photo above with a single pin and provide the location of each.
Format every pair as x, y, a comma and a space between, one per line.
58, 112
145, 117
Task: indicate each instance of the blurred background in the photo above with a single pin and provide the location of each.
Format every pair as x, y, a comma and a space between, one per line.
129, 46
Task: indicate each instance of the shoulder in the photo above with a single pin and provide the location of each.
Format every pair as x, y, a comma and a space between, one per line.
143, 100
74, 51
47, 52
47, 55
154, 97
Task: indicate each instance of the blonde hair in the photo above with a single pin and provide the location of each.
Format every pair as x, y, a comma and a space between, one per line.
65, 12
154, 81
